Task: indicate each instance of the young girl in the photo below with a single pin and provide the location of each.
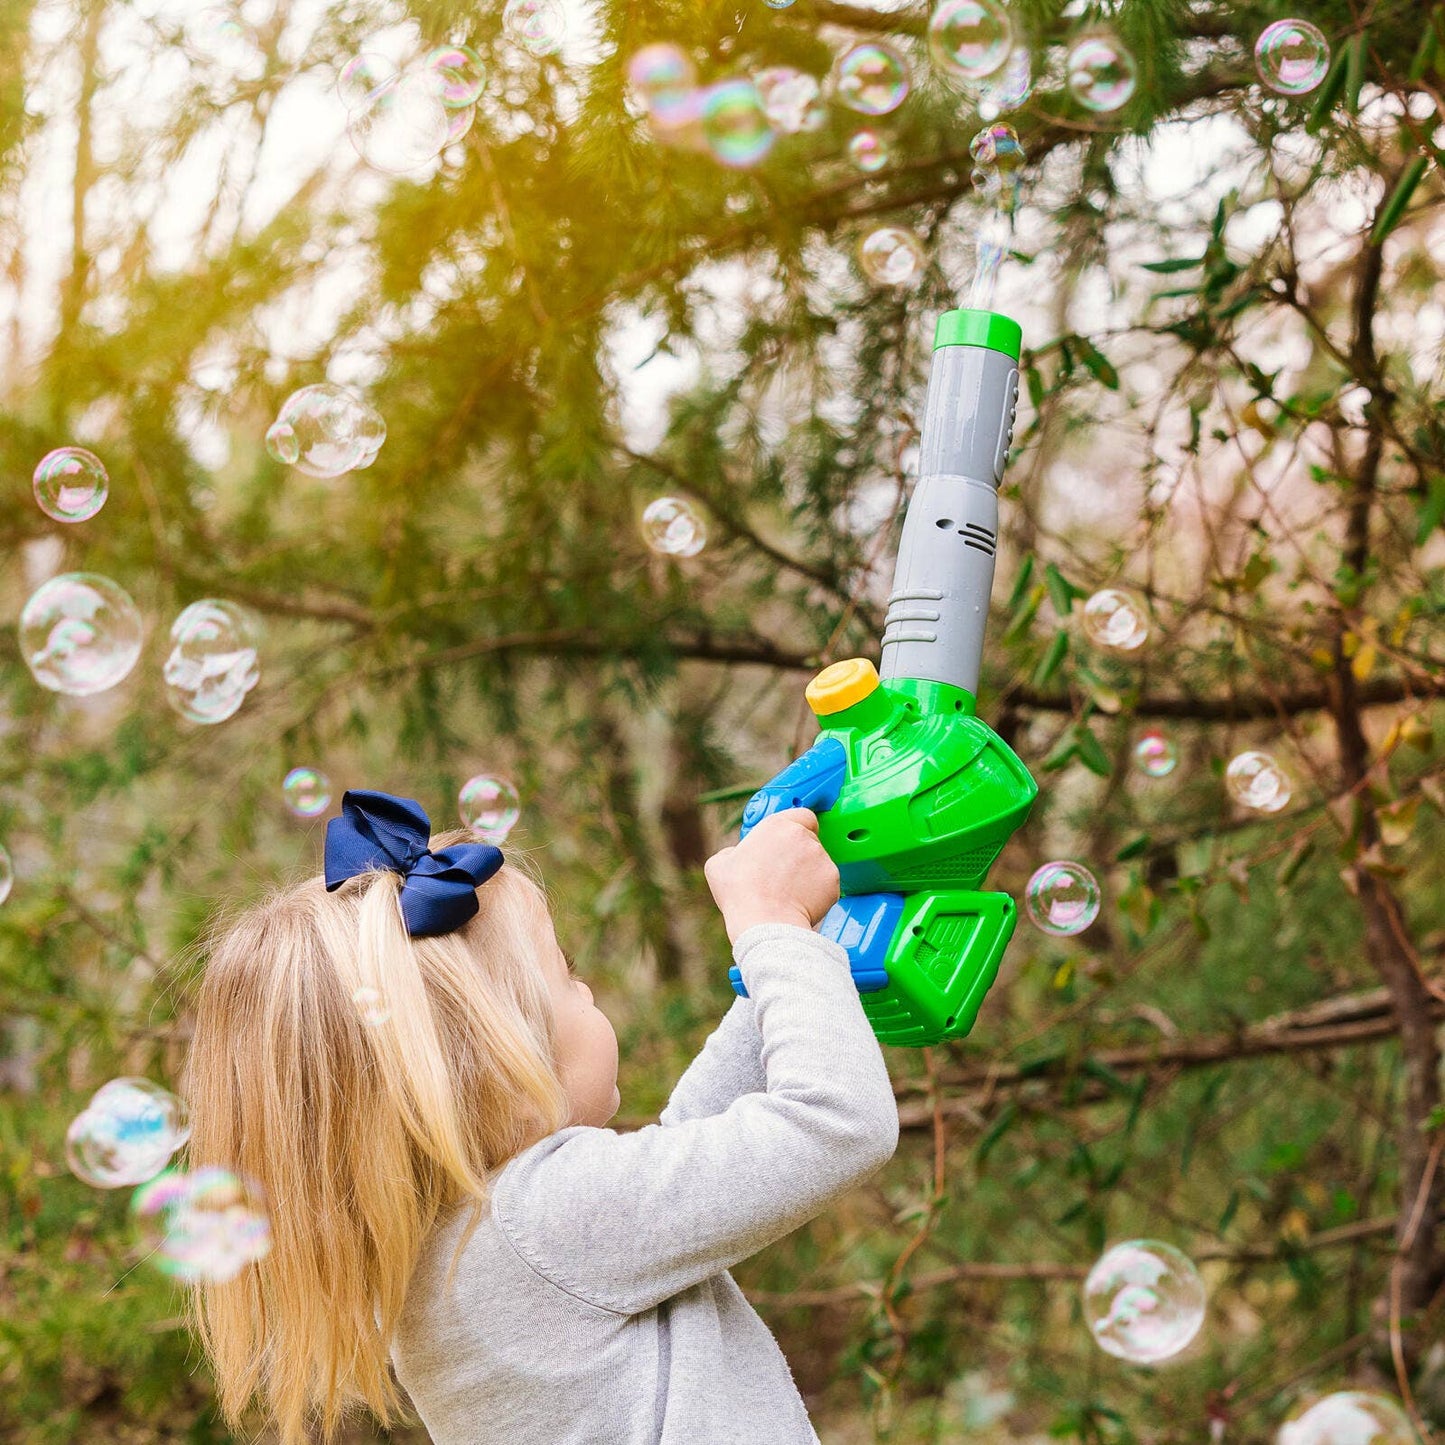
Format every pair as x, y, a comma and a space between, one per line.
444, 1193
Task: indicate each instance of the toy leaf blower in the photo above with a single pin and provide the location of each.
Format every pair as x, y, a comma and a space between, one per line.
915, 794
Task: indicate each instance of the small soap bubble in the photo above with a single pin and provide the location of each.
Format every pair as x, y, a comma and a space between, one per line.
201, 1227
1062, 898
664, 80
326, 431
371, 1006
790, 99
71, 484
1292, 56
80, 634
212, 662
778, 4
489, 807
1102, 74
1144, 1301
7, 875
1350, 1417
1255, 780
1117, 618
868, 151
463, 75
1155, 753
891, 256
126, 1134
969, 39
306, 792
536, 25
673, 527
871, 78
361, 77
735, 123
1009, 88
403, 123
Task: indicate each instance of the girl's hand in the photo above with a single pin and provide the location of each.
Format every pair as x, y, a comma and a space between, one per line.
779, 873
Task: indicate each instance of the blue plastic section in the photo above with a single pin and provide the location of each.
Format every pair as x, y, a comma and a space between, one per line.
864, 924
811, 781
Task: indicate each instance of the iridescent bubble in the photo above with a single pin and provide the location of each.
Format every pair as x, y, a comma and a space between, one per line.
70, 484
1292, 56
489, 807
1155, 753
535, 25
1350, 1417
326, 431
462, 72
735, 123
664, 79
778, 4
219, 35
998, 163
1117, 618
7, 875
1102, 74
1255, 780
868, 151
891, 256
204, 1226
80, 634
306, 792
403, 123
212, 663
969, 39
1144, 1301
126, 1134
462, 121
1062, 898
673, 527
790, 99
371, 1006
871, 78
1008, 89
361, 77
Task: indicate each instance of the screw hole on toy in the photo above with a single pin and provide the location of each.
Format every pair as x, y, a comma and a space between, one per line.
857, 835
943, 523
915, 929
958, 704
948, 1022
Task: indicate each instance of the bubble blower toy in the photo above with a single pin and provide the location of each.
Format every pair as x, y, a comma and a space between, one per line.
915, 794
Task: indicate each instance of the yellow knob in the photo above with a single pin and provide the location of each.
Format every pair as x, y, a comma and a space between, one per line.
841, 685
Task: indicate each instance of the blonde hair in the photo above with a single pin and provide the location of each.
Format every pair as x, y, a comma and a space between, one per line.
362, 1136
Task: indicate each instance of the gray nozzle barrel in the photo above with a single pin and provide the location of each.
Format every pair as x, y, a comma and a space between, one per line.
938, 607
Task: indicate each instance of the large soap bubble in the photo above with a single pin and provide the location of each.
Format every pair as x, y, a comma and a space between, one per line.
673, 527
664, 81
1144, 1301
462, 74
790, 99
126, 1134
212, 663
489, 807
871, 78
735, 123
1116, 618
325, 430
969, 39
1351, 1417
1008, 88
537, 26
891, 256
1255, 780
206, 1226
1062, 898
80, 633
403, 123
1102, 74
1292, 56
71, 484
361, 77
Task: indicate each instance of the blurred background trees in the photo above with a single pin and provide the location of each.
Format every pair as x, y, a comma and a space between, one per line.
1233, 315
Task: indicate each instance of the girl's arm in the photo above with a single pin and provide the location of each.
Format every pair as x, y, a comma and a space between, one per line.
729, 1065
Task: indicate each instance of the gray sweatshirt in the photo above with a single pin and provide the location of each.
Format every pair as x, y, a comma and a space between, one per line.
593, 1305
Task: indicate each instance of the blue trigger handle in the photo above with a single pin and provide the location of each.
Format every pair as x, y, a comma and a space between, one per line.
811, 781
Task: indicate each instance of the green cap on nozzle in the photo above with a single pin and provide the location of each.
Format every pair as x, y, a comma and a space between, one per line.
979, 328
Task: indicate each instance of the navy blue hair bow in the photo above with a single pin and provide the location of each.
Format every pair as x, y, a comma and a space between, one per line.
376, 830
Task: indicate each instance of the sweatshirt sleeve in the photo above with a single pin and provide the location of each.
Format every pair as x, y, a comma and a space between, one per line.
729, 1065
625, 1221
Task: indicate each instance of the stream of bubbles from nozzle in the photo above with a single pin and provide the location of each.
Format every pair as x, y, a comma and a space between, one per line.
998, 177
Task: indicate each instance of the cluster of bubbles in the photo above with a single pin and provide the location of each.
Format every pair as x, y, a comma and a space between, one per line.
673, 527
891, 256
1254, 780
1144, 1301
202, 1226
998, 164
1348, 1417
1116, 618
1156, 754
489, 807
398, 119
71, 484
1292, 56
126, 1134
325, 430
212, 663
1062, 898
306, 792
80, 633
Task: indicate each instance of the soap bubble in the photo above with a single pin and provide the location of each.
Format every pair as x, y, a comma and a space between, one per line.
218, 35
489, 807
1117, 618
1351, 1417
70, 484
969, 39
306, 792
462, 120
462, 73
673, 527
735, 124
1156, 753
778, 4
80, 634
790, 99
126, 1134
1255, 780
871, 78
664, 80
998, 163
1102, 73
212, 662
205, 1226
371, 1005
1292, 56
1009, 88
891, 256
361, 77
535, 25
7, 875
868, 151
326, 431
1144, 1301
1062, 898
403, 124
